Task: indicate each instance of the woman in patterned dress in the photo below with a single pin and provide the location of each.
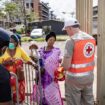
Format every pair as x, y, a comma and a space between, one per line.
50, 56
12, 59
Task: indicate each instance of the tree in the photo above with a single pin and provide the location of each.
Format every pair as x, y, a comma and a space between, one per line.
32, 17
1, 14
11, 9
2, 17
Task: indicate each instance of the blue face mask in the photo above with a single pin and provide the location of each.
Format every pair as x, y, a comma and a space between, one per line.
11, 46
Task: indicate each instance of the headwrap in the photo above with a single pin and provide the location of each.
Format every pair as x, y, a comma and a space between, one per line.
15, 38
51, 34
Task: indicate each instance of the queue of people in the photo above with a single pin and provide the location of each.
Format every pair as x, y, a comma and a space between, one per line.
78, 64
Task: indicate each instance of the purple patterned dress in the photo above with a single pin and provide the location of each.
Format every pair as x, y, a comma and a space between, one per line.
51, 92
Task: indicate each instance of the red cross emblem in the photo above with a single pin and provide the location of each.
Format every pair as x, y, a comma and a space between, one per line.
88, 50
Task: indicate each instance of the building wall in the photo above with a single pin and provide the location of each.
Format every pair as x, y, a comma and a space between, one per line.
40, 9
55, 26
52, 16
36, 7
44, 10
95, 19
28, 6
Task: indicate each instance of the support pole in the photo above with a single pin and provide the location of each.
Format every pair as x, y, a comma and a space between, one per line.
84, 14
101, 53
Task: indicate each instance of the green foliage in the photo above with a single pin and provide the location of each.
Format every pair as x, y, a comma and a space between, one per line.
46, 29
32, 16
11, 9
59, 38
20, 31
1, 14
26, 39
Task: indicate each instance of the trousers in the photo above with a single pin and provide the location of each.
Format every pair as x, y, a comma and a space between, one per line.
79, 90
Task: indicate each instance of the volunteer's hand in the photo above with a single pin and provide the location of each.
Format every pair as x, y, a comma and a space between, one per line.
35, 66
34, 59
42, 71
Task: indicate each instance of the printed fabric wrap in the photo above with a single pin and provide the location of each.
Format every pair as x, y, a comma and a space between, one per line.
50, 89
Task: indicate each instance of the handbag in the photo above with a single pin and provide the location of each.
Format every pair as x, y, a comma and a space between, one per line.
59, 74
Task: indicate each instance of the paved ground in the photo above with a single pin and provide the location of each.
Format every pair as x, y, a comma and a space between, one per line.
61, 46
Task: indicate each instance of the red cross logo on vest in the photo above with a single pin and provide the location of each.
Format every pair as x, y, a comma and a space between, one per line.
88, 50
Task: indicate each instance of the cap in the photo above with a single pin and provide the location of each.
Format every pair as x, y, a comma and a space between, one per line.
70, 22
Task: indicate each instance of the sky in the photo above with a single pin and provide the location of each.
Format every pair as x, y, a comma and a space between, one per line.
59, 6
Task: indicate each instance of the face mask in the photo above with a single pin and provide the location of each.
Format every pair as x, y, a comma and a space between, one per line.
11, 46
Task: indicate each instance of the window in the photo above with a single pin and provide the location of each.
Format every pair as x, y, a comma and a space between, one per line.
32, 5
27, 5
